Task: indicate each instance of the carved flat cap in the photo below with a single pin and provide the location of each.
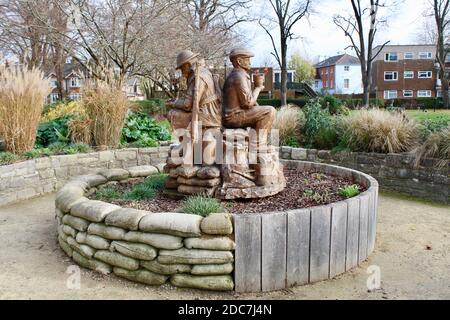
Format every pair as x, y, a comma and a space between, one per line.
184, 57
241, 52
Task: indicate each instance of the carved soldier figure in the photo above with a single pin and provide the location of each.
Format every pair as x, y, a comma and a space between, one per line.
210, 112
239, 100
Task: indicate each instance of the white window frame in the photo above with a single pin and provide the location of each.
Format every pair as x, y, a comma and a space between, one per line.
346, 83
77, 82
429, 74
326, 84
408, 96
53, 83
388, 57
406, 54
420, 93
408, 72
429, 55
387, 94
54, 97
394, 75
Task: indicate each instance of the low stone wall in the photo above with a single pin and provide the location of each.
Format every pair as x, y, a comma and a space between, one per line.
152, 248
394, 172
33, 178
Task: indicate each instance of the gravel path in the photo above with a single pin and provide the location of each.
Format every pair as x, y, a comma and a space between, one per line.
412, 251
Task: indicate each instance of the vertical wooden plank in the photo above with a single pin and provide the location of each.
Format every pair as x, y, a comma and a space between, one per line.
352, 233
338, 238
273, 264
320, 244
372, 223
363, 227
247, 271
298, 233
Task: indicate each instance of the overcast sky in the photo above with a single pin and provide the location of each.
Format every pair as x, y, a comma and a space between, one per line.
319, 36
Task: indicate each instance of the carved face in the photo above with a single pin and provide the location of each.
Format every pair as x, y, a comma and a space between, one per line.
244, 63
185, 70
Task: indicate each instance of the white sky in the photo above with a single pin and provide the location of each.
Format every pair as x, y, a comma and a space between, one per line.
319, 36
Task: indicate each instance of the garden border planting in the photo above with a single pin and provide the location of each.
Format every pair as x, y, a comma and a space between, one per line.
394, 171
272, 250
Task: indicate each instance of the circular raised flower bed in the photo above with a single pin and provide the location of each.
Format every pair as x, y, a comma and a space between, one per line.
242, 252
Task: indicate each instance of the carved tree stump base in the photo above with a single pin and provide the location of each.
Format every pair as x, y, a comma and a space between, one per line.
249, 193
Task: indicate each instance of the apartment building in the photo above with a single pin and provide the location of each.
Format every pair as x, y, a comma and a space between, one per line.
405, 71
340, 74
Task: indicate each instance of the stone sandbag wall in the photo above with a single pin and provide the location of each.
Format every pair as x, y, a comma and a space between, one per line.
33, 178
151, 248
394, 171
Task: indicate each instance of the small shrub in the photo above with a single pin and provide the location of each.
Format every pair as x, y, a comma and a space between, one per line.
201, 205
349, 191
317, 118
76, 148
145, 131
436, 146
53, 131
380, 131
22, 95
332, 103
57, 147
141, 192
289, 121
108, 193
151, 106
8, 158
106, 105
63, 109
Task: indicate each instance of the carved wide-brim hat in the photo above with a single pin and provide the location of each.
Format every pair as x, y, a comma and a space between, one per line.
241, 52
185, 56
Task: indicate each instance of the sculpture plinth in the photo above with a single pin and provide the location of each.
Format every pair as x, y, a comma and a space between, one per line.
245, 167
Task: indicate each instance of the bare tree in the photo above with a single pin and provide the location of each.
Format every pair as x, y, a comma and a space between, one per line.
441, 10
288, 14
353, 27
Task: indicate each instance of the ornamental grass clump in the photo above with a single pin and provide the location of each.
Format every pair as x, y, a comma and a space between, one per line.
380, 131
201, 205
289, 122
436, 146
22, 95
106, 106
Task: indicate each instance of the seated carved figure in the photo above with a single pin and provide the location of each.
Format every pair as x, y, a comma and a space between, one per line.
239, 100
210, 112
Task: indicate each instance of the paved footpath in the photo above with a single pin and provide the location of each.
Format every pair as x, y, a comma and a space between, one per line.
412, 254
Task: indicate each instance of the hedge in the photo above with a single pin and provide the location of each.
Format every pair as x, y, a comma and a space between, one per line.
151, 106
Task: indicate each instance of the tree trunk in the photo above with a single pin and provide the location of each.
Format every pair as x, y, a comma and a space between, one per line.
283, 89
445, 87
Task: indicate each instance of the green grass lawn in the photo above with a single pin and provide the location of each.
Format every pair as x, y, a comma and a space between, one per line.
420, 116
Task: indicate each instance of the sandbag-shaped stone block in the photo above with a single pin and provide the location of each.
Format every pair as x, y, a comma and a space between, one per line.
160, 241
115, 174
125, 218
117, 260
82, 249
70, 194
93, 210
68, 230
196, 182
142, 171
186, 171
61, 233
194, 256
210, 243
167, 269
212, 269
91, 263
177, 224
217, 224
193, 190
92, 241
208, 172
134, 250
216, 283
59, 213
92, 180
65, 247
142, 276
76, 223
110, 233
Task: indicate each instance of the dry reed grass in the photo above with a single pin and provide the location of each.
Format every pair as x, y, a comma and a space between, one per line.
376, 130
436, 146
106, 106
289, 122
22, 96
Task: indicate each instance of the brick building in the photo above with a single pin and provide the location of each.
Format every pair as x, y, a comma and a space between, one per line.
405, 71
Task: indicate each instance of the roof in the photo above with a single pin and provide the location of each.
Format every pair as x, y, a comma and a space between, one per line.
340, 59
69, 69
